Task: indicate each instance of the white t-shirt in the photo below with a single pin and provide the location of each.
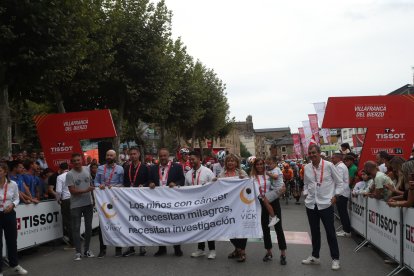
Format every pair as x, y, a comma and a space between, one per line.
382, 168
202, 176
61, 188
343, 171
217, 169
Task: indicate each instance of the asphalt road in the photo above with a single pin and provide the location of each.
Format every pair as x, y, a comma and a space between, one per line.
52, 259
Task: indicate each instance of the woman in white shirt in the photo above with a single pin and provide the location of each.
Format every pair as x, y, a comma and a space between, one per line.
9, 199
265, 184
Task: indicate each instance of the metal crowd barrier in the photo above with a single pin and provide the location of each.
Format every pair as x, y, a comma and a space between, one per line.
391, 230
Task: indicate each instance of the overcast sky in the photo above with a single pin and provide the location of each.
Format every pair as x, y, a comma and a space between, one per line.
279, 57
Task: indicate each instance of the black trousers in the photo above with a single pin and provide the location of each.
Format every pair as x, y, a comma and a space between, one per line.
327, 217
102, 246
211, 245
239, 243
8, 224
281, 240
164, 248
342, 206
66, 219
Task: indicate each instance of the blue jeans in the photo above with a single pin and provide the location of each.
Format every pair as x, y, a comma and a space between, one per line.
76, 215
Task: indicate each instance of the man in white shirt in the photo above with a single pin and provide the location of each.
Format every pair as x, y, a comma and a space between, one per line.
342, 200
322, 185
200, 175
63, 198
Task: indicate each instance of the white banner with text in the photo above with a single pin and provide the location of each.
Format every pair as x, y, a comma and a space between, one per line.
383, 229
227, 208
408, 230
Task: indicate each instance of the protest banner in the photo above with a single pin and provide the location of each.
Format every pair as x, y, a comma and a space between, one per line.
227, 208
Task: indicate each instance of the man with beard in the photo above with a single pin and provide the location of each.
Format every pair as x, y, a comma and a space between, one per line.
136, 175
164, 174
109, 175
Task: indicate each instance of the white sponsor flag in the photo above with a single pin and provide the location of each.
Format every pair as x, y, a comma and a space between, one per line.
227, 208
320, 111
308, 132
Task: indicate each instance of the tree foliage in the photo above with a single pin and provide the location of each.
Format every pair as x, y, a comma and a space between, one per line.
73, 55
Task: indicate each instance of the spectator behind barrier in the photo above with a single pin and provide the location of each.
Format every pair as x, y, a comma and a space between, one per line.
407, 199
362, 187
379, 188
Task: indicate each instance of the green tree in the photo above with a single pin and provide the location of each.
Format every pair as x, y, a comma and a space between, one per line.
243, 151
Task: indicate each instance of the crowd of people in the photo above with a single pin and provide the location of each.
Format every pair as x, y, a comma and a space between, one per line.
324, 181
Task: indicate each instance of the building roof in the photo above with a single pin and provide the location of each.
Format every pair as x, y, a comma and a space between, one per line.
407, 89
283, 141
261, 130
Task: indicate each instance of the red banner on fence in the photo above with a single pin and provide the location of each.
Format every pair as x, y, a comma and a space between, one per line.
60, 134
369, 111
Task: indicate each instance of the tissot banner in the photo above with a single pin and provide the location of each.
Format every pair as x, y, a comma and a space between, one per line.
227, 208
397, 141
60, 134
369, 111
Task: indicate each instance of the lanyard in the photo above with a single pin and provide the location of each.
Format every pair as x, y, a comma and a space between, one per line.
260, 187
164, 177
322, 170
5, 194
198, 178
228, 175
110, 176
136, 173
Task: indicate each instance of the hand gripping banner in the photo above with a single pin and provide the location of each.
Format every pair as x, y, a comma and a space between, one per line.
227, 208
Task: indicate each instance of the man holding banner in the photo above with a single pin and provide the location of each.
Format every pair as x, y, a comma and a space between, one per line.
170, 174
200, 175
322, 186
108, 176
136, 175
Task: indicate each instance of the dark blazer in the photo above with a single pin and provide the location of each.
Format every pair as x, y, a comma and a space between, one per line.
142, 177
175, 175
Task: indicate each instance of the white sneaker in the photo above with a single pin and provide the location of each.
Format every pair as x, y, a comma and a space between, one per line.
212, 254
343, 234
198, 253
89, 254
78, 257
19, 270
335, 265
1, 274
273, 221
311, 260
